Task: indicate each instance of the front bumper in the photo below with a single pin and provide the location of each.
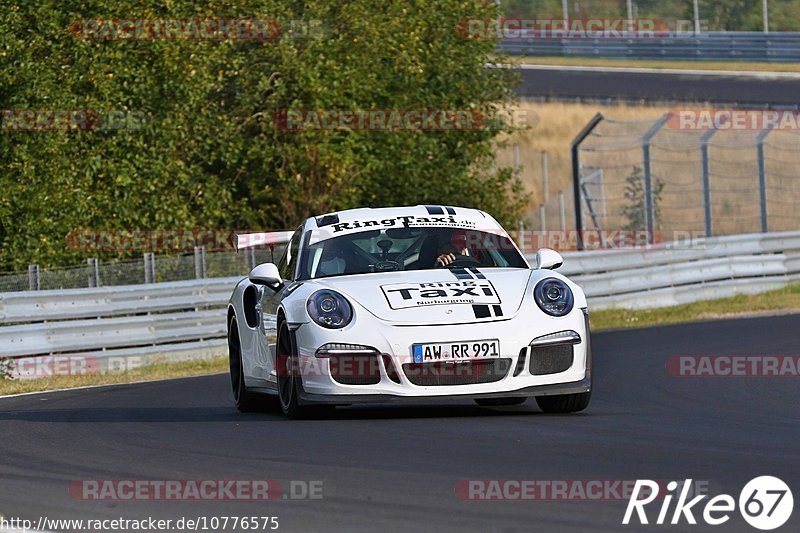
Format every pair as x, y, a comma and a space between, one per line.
585, 385
396, 341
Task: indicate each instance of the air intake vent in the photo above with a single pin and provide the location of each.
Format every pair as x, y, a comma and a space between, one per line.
523, 353
550, 359
448, 374
391, 371
355, 369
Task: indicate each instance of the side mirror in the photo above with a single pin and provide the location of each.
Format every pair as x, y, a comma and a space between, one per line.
265, 274
548, 259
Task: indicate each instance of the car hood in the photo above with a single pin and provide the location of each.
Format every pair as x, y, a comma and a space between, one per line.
438, 296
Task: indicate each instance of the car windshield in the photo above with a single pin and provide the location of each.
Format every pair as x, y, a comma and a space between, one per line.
401, 249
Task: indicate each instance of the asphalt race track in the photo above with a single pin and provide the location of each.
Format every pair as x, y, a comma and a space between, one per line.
647, 86
394, 468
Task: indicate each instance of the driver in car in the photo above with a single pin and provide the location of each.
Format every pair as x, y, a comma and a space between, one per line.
332, 261
455, 249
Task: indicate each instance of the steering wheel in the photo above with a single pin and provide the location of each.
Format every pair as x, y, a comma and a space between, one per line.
386, 266
461, 261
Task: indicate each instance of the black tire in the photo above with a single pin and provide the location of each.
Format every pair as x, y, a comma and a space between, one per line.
245, 401
500, 402
288, 374
290, 382
564, 403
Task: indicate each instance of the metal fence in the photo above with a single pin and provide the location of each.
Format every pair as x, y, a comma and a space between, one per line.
685, 15
150, 268
77, 331
665, 179
99, 329
712, 46
688, 271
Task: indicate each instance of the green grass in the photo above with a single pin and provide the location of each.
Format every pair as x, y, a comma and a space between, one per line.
658, 64
786, 299
150, 372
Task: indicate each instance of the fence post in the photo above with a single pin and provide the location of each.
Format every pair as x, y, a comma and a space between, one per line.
562, 214
576, 174
34, 281
649, 201
542, 218
149, 267
762, 177
250, 254
94, 272
199, 262
704, 140
545, 178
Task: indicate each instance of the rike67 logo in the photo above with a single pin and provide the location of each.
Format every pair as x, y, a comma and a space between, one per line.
765, 503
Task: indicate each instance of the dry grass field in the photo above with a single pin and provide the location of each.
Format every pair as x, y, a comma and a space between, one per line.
551, 127
676, 162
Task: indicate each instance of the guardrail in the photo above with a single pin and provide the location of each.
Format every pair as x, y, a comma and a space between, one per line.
109, 327
679, 273
716, 46
94, 330
67, 304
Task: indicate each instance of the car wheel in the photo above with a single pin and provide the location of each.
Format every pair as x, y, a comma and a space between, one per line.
290, 382
564, 403
288, 373
245, 400
499, 402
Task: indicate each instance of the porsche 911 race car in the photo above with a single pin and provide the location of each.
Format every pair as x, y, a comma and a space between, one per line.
375, 305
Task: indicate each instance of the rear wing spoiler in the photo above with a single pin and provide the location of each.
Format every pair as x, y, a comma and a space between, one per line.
245, 241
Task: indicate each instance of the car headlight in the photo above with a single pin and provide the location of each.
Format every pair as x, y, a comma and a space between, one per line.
553, 296
329, 309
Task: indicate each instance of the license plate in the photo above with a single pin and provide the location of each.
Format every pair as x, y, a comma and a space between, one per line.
456, 351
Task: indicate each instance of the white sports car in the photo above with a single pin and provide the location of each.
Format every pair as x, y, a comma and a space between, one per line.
375, 305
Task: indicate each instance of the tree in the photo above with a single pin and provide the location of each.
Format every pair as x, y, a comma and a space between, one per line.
209, 153
635, 209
